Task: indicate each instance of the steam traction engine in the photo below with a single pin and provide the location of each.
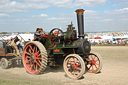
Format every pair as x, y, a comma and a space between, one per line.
65, 48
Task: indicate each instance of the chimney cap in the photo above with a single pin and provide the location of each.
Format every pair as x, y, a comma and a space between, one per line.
79, 11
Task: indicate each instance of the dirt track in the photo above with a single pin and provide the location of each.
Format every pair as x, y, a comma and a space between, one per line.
114, 72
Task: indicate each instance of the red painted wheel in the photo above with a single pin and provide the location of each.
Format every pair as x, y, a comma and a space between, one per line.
95, 63
35, 57
74, 66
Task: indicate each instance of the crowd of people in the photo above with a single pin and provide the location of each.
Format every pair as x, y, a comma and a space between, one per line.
116, 38
106, 42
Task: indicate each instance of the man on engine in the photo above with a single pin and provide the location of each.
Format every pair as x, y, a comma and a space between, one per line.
39, 32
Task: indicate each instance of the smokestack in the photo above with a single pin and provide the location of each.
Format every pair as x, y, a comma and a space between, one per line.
80, 22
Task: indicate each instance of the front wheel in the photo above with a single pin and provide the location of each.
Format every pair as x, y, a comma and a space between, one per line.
4, 63
95, 63
74, 66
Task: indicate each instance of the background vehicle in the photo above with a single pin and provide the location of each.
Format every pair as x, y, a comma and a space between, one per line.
9, 54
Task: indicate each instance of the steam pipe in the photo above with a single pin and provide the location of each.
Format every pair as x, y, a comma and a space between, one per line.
80, 22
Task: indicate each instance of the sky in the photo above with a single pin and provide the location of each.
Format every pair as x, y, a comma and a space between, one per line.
99, 15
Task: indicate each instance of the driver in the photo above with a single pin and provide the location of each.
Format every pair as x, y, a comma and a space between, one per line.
42, 31
39, 32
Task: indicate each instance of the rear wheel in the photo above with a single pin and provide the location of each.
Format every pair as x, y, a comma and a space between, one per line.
4, 63
74, 66
95, 63
35, 57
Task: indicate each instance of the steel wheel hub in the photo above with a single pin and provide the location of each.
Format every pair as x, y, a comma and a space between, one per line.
73, 66
93, 62
32, 58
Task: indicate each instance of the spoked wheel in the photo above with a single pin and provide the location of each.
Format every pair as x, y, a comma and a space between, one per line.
74, 66
95, 63
4, 63
35, 57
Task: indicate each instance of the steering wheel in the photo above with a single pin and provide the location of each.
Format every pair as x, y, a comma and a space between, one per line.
55, 35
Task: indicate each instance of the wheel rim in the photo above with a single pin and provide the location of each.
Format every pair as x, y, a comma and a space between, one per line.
73, 67
32, 58
3, 64
94, 63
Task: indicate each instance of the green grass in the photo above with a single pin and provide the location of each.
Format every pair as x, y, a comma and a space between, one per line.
24, 82
12, 82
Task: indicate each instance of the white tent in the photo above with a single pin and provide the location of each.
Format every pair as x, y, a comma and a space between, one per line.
107, 37
1, 39
25, 37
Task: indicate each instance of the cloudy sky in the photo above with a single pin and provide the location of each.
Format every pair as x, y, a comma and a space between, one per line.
99, 15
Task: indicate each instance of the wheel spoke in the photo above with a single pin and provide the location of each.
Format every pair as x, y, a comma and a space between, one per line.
76, 73
57, 33
36, 67
92, 57
79, 69
33, 65
27, 61
97, 64
30, 62
38, 64
34, 49
70, 62
73, 72
28, 57
39, 58
75, 60
31, 48
27, 53
30, 68
97, 60
90, 66
39, 54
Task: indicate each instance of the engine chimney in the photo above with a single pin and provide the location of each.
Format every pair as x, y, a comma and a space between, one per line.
80, 22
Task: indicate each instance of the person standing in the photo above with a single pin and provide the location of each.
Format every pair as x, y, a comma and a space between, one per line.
19, 45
